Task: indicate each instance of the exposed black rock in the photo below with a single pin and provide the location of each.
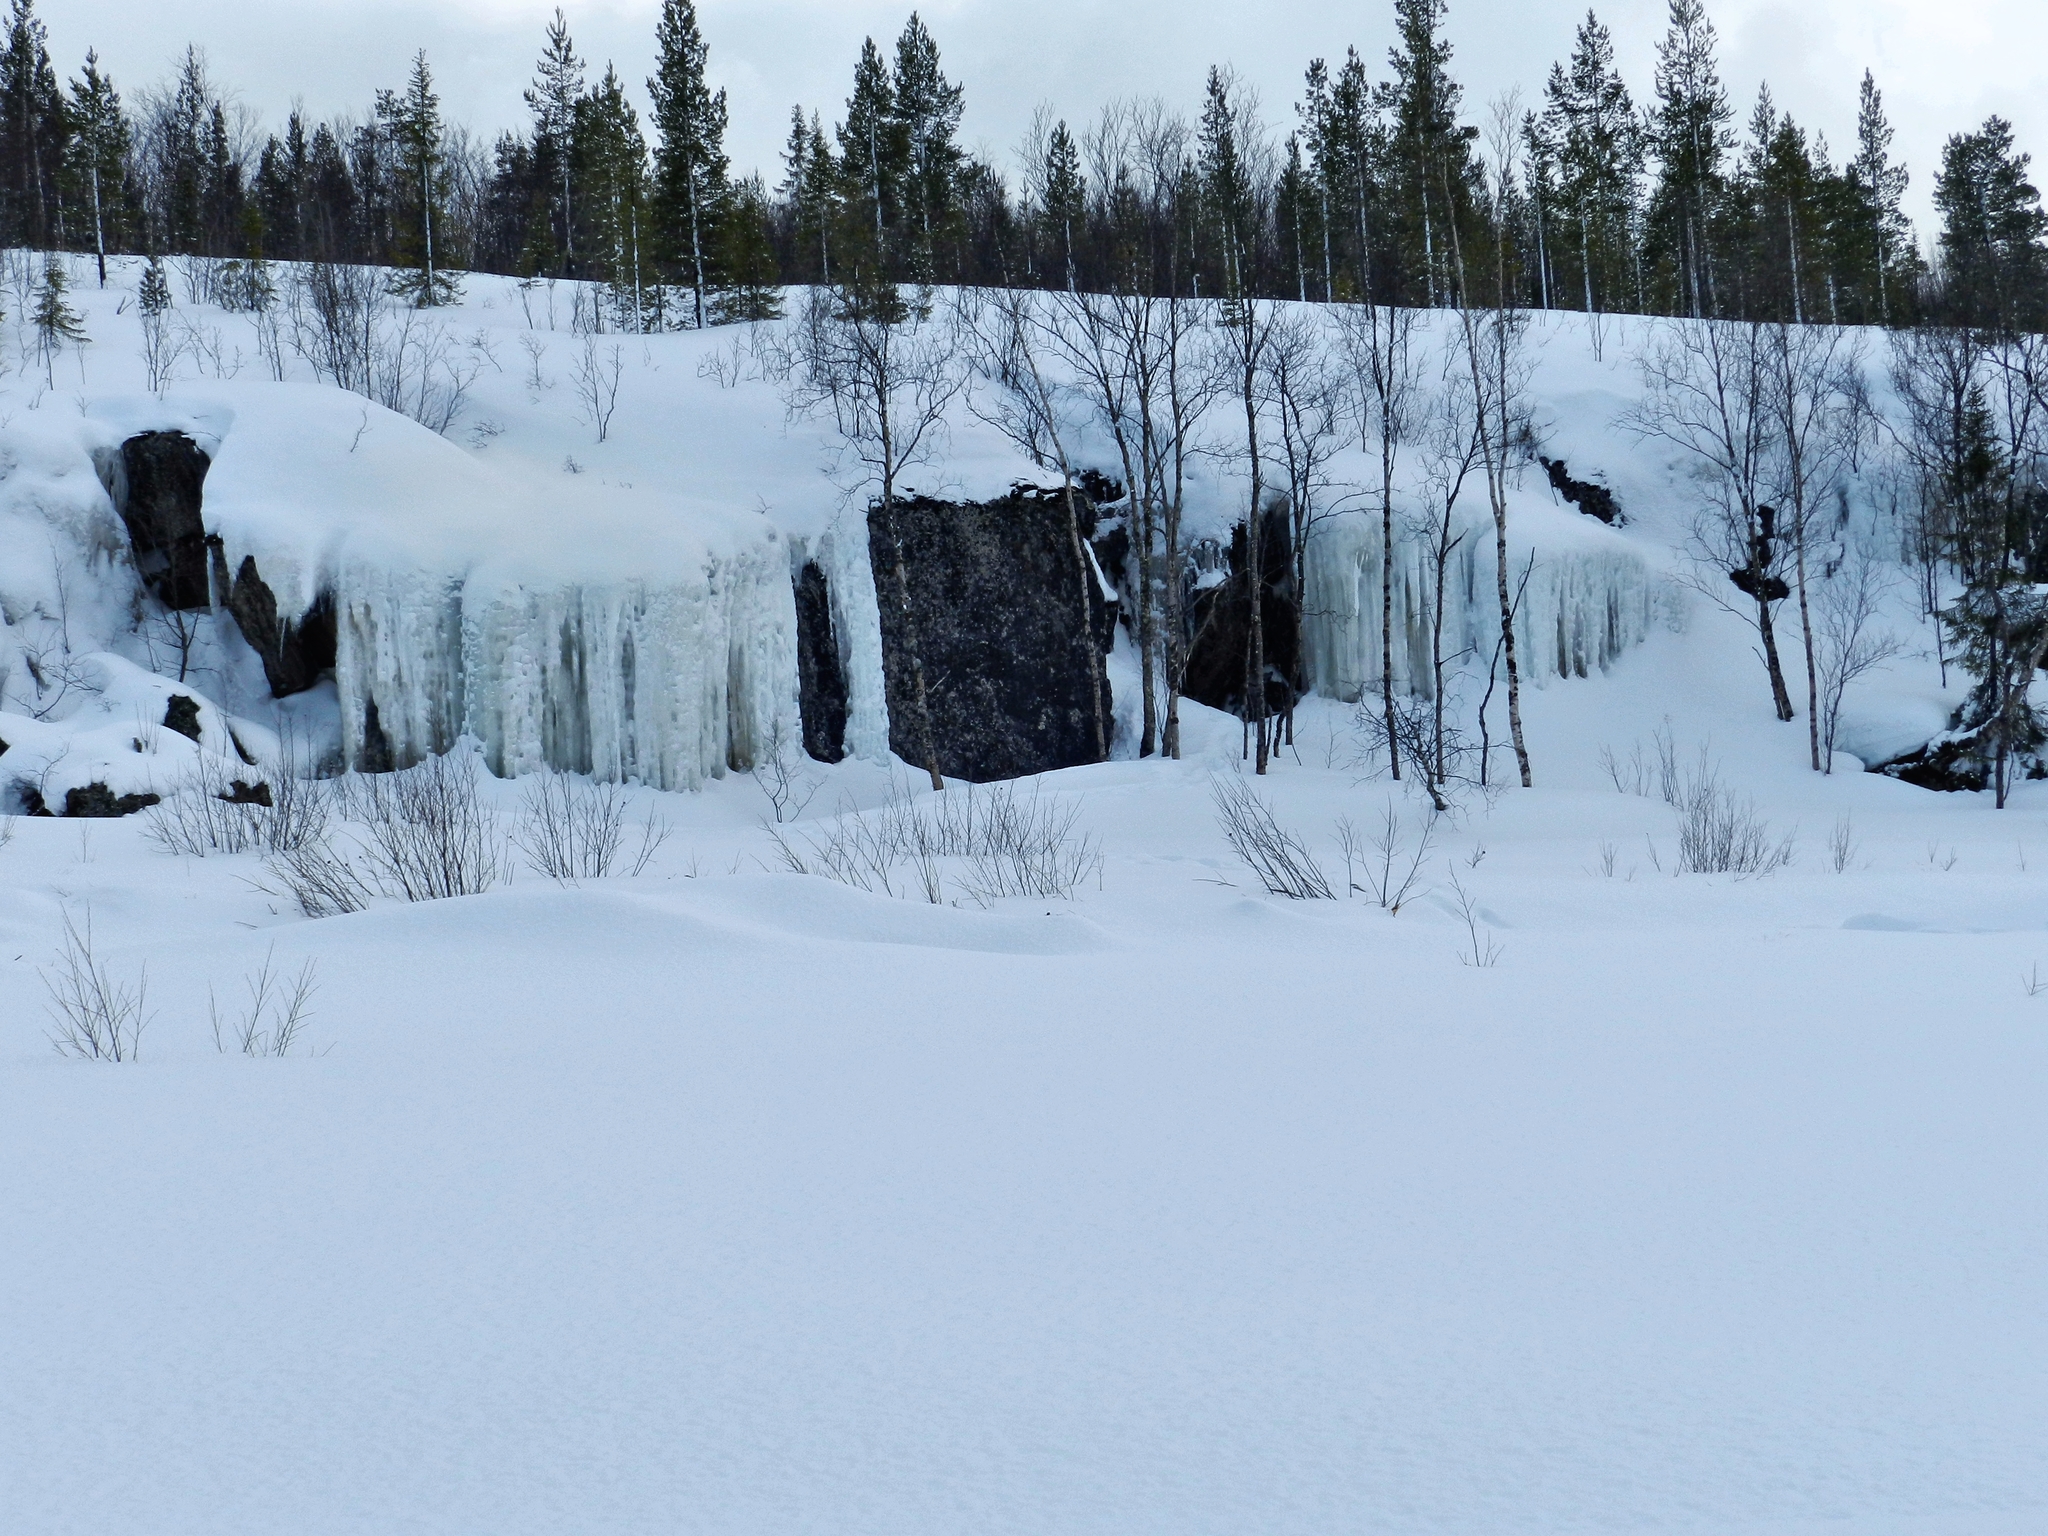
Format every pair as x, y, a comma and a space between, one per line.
96, 799
1774, 588
1752, 578
821, 681
1592, 499
158, 497
1219, 623
238, 793
295, 653
998, 608
1947, 764
376, 755
181, 714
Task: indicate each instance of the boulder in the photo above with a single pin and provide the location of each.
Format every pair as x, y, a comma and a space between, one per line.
157, 494
1005, 624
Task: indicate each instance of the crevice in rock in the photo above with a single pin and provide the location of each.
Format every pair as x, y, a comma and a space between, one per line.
821, 681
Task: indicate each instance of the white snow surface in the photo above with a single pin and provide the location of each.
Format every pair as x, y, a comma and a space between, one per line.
735, 1201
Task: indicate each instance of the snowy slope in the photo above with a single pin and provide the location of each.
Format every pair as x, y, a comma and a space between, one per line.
622, 606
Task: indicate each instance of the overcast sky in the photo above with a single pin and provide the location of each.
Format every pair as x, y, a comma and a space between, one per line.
1943, 64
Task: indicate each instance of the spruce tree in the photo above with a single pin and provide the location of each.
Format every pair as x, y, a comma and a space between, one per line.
553, 96
1066, 199
55, 321
1994, 235
1228, 206
99, 161
1885, 237
32, 134
690, 166
181, 159
927, 109
1343, 139
872, 162
615, 196
412, 121
1430, 155
1689, 137
1590, 128
810, 190
747, 256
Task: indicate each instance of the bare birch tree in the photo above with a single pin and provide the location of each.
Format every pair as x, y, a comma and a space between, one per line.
1493, 337
1377, 344
1706, 392
1815, 420
885, 369
1006, 331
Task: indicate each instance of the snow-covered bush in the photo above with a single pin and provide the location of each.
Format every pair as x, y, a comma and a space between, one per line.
1721, 833
997, 840
430, 832
214, 812
93, 1016
571, 829
420, 834
1276, 855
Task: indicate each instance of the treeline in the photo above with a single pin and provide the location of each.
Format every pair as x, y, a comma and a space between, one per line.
1592, 196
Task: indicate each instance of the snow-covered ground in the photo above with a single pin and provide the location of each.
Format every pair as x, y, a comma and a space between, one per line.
728, 1200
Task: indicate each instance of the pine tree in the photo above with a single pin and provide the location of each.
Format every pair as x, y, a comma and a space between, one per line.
32, 134
99, 162
1994, 235
552, 98
690, 166
927, 110
412, 122
1689, 137
1591, 132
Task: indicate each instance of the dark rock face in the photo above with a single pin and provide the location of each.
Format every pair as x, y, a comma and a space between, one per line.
181, 714
159, 497
376, 755
821, 681
238, 793
1593, 500
997, 605
1219, 625
295, 652
98, 800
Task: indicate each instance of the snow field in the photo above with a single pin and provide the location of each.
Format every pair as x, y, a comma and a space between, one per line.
734, 1201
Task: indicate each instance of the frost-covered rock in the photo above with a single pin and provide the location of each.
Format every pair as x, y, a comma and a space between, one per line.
111, 732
